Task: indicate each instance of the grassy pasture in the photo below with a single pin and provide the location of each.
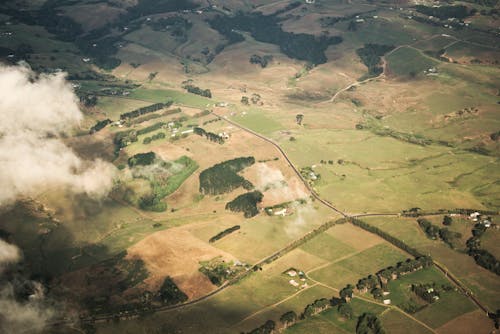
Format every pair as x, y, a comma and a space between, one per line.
489, 240
397, 323
257, 120
471, 322
383, 174
481, 282
449, 306
434, 44
408, 61
467, 52
162, 95
351, 269
330, 321
112, 107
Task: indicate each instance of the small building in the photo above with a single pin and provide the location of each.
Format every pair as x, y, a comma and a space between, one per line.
185, 132
292, 273
281, 212
387, 301
293, 282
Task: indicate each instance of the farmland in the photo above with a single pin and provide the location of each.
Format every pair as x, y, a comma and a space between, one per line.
242, 139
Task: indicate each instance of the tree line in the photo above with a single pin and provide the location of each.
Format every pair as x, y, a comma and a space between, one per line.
100, 125
482, 257
222, 234
198, 91
209, 135
384, 235
144, 110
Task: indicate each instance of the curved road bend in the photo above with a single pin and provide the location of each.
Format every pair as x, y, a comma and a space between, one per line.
270, 141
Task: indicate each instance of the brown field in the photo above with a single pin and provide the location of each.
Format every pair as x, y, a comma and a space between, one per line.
176, 253
93, 16
473, 322
355, 237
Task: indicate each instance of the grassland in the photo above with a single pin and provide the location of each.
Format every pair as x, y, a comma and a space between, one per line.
373, 169
406, 62
481, 282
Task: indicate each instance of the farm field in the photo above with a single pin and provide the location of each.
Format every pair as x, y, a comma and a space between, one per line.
196, 166
480, 281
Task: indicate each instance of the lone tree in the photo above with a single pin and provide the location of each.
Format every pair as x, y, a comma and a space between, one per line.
244, 100
299, 119
447, 220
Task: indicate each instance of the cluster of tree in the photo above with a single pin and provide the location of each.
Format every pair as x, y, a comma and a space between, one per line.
223, 177
482, 257
428, 292
316, 307
123, 138
99, 125
444, 12
434, 232
145, 110
370, 55
142, 159
176, 25
209, 135
218, 271
495, 135
262, 60
267, 328
170, 294
404, 268
88, 100
157, 136
198, 91
368, 323
393, 240
288, 319
152, 202
222, 234
267, 29
246, 203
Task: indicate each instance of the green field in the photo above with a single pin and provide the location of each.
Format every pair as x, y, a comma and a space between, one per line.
482, 282
408, 61
330, 321
163, 95
362, 264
